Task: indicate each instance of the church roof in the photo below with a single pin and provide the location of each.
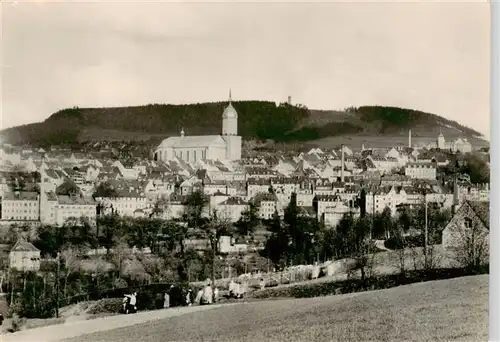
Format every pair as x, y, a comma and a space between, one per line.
193, 141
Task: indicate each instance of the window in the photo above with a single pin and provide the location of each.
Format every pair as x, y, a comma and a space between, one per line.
468, 222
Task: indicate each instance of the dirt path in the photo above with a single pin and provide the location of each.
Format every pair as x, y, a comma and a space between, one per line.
73, 329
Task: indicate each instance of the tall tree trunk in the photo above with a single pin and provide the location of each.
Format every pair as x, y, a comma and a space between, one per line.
66, 285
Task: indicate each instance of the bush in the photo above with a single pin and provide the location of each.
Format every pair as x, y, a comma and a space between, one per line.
17, 323
106, 305
410, 241
373, 283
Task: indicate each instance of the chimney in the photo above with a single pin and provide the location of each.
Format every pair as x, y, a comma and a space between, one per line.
455, 196
409, 138
342, 165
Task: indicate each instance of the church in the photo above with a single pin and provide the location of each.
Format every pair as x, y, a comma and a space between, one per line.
205, 147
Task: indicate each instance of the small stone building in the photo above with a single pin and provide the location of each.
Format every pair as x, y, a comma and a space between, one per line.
470, 222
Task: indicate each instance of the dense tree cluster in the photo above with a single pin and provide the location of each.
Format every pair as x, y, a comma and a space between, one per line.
262, 120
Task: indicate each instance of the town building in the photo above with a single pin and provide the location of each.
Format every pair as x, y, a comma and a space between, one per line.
457, 145
421, 171
20, 206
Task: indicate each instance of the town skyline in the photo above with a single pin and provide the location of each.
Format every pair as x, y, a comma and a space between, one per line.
136, 59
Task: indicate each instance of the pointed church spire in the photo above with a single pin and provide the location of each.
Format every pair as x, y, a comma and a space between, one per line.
230, 99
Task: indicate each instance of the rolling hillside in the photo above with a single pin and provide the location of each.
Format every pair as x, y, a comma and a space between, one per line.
258, 120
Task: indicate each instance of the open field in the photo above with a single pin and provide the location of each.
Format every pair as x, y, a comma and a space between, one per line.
446, 310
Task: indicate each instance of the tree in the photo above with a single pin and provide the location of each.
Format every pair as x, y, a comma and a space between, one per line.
477, 168
362, 247
195, 204
121, 252
215, 228
248, 221
103, 190
398, 229
351, 239
71, 264
68, 188
278, 243
382, 224
471, 244
111, 228
17, 183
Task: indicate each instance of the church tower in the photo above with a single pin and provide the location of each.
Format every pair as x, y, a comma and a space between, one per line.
440, 141
230, 132
230, 119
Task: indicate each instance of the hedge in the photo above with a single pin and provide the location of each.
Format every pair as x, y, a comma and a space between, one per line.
373, 283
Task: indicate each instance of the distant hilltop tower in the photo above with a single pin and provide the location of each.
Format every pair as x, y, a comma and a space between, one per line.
289, 100
409, 138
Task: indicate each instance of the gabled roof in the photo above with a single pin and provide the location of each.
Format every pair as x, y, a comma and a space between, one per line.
482, 210
24, 246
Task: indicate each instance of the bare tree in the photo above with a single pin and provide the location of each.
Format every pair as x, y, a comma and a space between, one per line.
215, 228
71, 265
470, 245
121, 252
401, 244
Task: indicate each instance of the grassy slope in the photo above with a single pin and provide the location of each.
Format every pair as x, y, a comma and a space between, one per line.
257, 119
449, 310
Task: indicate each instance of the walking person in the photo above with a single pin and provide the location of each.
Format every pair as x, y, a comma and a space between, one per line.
207, 294
166, 301
130, 303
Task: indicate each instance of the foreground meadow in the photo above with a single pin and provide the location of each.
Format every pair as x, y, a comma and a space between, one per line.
446, 310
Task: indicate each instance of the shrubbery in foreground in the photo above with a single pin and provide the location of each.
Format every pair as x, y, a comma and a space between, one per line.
372, 283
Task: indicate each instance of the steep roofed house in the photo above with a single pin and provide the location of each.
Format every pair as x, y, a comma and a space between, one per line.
284, 167
190, 185
469, 228
24, 256
127, 170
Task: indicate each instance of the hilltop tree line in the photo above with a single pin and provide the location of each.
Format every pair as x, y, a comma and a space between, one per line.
262, 120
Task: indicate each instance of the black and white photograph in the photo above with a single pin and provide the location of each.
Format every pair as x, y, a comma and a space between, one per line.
245, 171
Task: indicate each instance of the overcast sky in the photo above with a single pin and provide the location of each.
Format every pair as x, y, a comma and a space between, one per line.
427, 56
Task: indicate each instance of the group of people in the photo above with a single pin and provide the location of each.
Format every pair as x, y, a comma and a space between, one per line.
206, 295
